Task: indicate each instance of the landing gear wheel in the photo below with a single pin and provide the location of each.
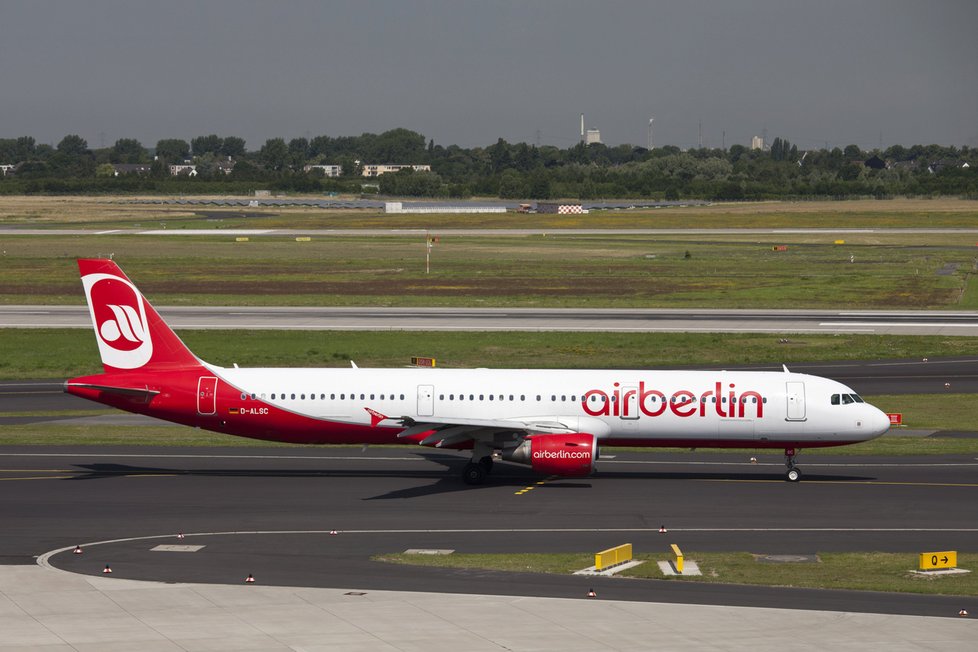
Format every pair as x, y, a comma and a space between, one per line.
793, 474
486, 464
473, 474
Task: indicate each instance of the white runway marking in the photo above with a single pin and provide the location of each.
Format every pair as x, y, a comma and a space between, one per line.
897, 325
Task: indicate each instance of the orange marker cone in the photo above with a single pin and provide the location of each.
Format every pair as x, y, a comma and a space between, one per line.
591, 593
106, 570
77, 550
250, 579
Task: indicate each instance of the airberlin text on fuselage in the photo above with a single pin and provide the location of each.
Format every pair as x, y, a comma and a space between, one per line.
683, 403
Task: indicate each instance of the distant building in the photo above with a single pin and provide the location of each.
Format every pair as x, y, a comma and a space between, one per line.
560, 208
227, 167
757, 142
377, 170
592, 137
131, 168
7, 169
328, 170
184, 169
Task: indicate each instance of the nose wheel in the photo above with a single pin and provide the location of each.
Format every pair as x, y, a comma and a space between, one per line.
794, 473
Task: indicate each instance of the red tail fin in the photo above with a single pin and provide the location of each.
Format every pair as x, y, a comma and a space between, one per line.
130, 333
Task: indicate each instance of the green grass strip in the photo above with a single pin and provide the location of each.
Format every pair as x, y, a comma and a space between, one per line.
862, 571
61, 353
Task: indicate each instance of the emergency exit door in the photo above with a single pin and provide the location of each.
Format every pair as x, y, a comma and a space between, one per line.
207, 395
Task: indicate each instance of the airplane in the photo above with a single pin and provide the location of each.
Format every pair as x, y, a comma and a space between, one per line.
553, 420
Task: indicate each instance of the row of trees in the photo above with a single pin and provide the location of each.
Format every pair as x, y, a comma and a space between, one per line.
507, 170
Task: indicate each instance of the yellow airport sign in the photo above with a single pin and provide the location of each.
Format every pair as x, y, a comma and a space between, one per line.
938, 560
612, 556
679, 559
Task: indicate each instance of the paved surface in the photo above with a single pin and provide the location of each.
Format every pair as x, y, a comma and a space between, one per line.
270, 512
523, 319
54, 611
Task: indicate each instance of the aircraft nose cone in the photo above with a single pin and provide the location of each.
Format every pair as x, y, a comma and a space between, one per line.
879, 423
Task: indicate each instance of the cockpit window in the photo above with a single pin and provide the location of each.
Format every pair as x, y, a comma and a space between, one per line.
857, 398
835, 399
847, 399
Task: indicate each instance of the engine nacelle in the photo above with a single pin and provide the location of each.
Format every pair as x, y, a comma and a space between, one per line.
571, 455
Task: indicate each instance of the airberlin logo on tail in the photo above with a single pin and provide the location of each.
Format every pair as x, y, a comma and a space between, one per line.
119, 316
125, 331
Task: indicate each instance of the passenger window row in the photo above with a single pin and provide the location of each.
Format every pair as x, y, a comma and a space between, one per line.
847, 398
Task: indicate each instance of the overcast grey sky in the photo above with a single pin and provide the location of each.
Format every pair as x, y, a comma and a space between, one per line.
467, 73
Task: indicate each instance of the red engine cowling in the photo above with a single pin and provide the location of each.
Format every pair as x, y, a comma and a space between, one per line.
570, 455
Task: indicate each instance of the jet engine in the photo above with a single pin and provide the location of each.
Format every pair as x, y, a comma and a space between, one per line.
570, 455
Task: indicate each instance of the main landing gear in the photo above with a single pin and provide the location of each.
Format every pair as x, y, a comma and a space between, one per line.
794, 473
476, 471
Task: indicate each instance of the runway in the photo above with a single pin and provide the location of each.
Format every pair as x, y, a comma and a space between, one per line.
956, 323
270, 512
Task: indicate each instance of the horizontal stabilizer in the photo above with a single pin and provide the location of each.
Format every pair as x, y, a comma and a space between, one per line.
129, 392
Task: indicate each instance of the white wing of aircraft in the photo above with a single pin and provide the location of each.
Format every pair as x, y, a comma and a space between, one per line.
553, 420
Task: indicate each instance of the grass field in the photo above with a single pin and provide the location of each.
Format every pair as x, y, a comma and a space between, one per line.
60, 353
882, 272
863, 571
871, 270
116, 212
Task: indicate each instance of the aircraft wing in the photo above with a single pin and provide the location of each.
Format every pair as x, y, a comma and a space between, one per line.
450, 432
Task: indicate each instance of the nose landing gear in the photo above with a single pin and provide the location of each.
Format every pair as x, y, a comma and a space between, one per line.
794, 473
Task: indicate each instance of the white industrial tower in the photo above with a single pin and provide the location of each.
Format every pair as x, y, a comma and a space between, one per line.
650, 132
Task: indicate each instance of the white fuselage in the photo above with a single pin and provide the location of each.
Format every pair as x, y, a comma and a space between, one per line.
618, 407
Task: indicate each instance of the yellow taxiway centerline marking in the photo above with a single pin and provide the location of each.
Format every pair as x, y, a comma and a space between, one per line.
534, 486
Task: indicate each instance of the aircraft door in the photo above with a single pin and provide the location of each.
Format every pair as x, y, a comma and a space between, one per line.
426, 400
795, 395
207, 395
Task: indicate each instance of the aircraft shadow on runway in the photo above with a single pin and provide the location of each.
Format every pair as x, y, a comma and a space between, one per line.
446, 479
